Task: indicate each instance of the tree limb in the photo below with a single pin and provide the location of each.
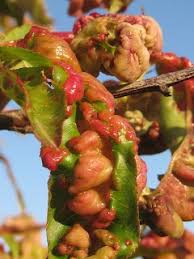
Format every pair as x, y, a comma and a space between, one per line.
15, 120
14, 230
160, 83
15, 186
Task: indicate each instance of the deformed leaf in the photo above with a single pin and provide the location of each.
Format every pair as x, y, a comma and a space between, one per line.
11, 82
172, 201
59, 218
69, 127
46, 111
55, 229
56, 225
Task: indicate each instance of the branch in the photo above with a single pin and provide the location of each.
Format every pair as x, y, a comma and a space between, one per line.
17, 230
159, 84
14, 183
15, 120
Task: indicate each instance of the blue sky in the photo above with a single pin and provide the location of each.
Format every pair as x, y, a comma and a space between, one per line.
176, 20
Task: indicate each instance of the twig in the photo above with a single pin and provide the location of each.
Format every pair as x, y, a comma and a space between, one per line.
14, 183
11, 230
160, 83
15, 120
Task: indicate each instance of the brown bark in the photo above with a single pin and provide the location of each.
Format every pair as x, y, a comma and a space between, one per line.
160, 83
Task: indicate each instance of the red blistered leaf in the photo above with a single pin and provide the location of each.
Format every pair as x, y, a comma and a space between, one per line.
52, 157
73, 86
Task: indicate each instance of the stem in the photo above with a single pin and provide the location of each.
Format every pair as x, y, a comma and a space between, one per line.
159, 83
15, 120
12, 179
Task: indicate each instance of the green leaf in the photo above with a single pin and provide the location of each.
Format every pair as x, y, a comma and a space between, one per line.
17, 33
13, 245
27, 73
59, 75
124, 199
69, 127
55, 229
10, 54
59, 218
20, 65
45, 108
67, 165
172, 122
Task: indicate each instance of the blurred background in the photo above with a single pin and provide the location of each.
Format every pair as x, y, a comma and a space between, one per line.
176, 20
